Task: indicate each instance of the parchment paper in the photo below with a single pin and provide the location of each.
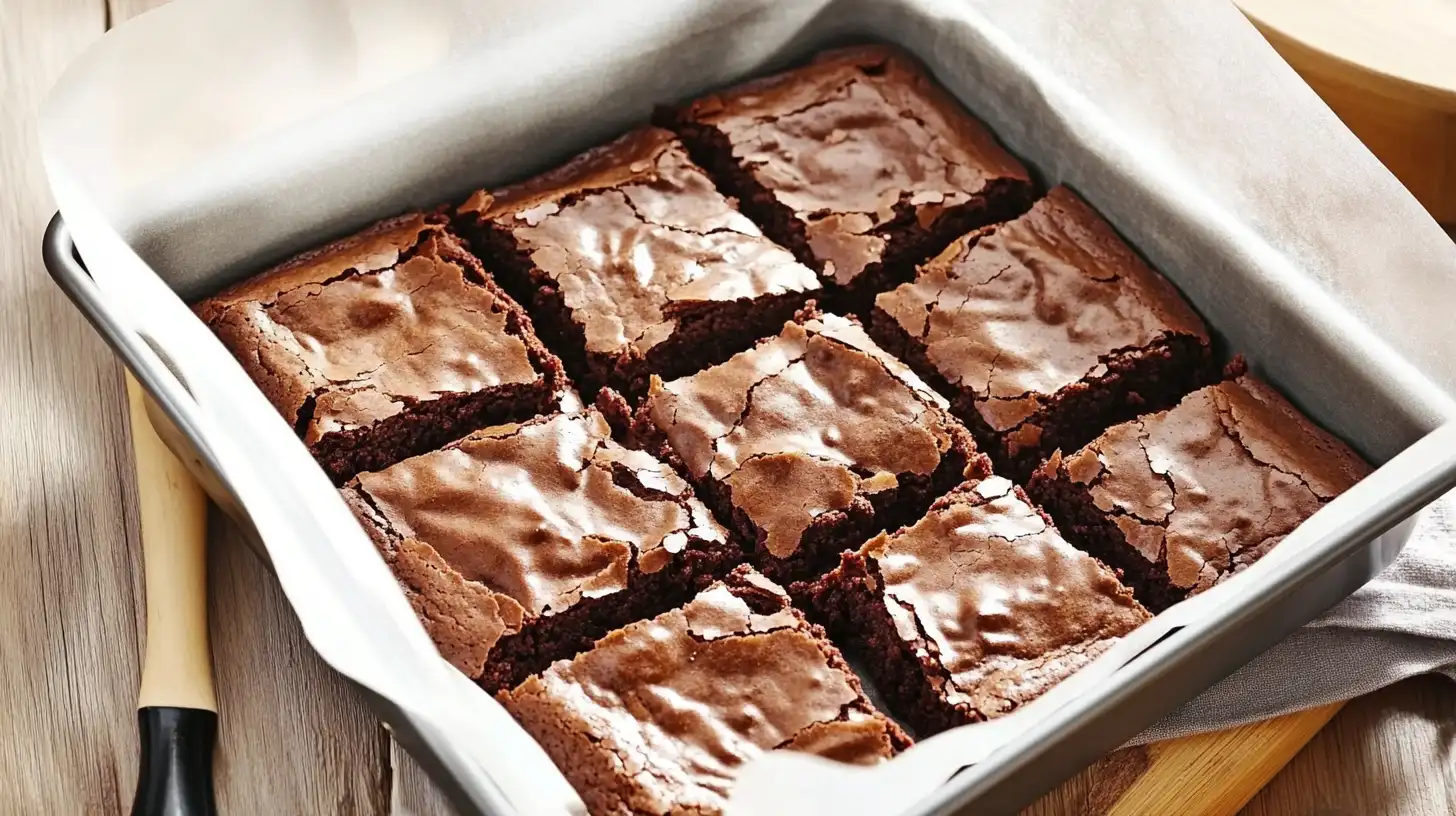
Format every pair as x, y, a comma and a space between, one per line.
207, 138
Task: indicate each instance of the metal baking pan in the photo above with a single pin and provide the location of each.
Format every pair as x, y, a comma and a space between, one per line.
1292, 325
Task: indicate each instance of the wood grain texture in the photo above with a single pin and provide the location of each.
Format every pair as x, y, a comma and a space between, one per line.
1386, 69
1203, 775
177, 661
294, 738
1392, 753
414, 794
1217, 774
71, 602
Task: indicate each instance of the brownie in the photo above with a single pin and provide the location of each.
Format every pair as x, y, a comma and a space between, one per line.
385, 344
1045, 331
858, 162
522, 544
634, 264
975, 609
1181, 499
659, 716
810, 443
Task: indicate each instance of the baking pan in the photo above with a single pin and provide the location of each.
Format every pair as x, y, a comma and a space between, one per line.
1187, 660
234, 212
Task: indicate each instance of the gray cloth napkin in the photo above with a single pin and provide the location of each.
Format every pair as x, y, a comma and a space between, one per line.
1399, 625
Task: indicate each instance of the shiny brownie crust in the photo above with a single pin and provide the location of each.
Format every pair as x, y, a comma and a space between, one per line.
734, 673
633, 264
522, 544
858, 162
878, 445
973, 610
1044, 331
1181, 499
385, 344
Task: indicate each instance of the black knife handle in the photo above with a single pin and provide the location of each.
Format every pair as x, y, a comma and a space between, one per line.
175, 777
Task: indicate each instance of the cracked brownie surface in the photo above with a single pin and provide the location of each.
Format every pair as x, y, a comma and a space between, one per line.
632, 260
658, 716
385, 344
521, 544
810, 442
974, 610
1183, 498
858, 162
1047, 330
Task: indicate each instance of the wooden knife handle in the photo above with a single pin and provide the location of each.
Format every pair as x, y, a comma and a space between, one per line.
177, 706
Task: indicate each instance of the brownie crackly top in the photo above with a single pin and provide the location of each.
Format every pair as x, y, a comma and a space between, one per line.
1007, 605
385, 344
1016, 313
634, 234
801, 423
1210, 485
539, 515
855, 143
371, 324
659, 715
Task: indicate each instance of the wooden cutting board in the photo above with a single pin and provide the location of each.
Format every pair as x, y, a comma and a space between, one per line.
1388, 70
1205, 775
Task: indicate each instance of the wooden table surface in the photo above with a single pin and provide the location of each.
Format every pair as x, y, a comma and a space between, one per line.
293, 738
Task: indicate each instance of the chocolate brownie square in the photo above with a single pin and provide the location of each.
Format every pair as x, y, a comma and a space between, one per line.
1181, 499
975, 609
659, 716
858, 162
522, 544
810, 442
1045, 330
634, 264
385, 344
